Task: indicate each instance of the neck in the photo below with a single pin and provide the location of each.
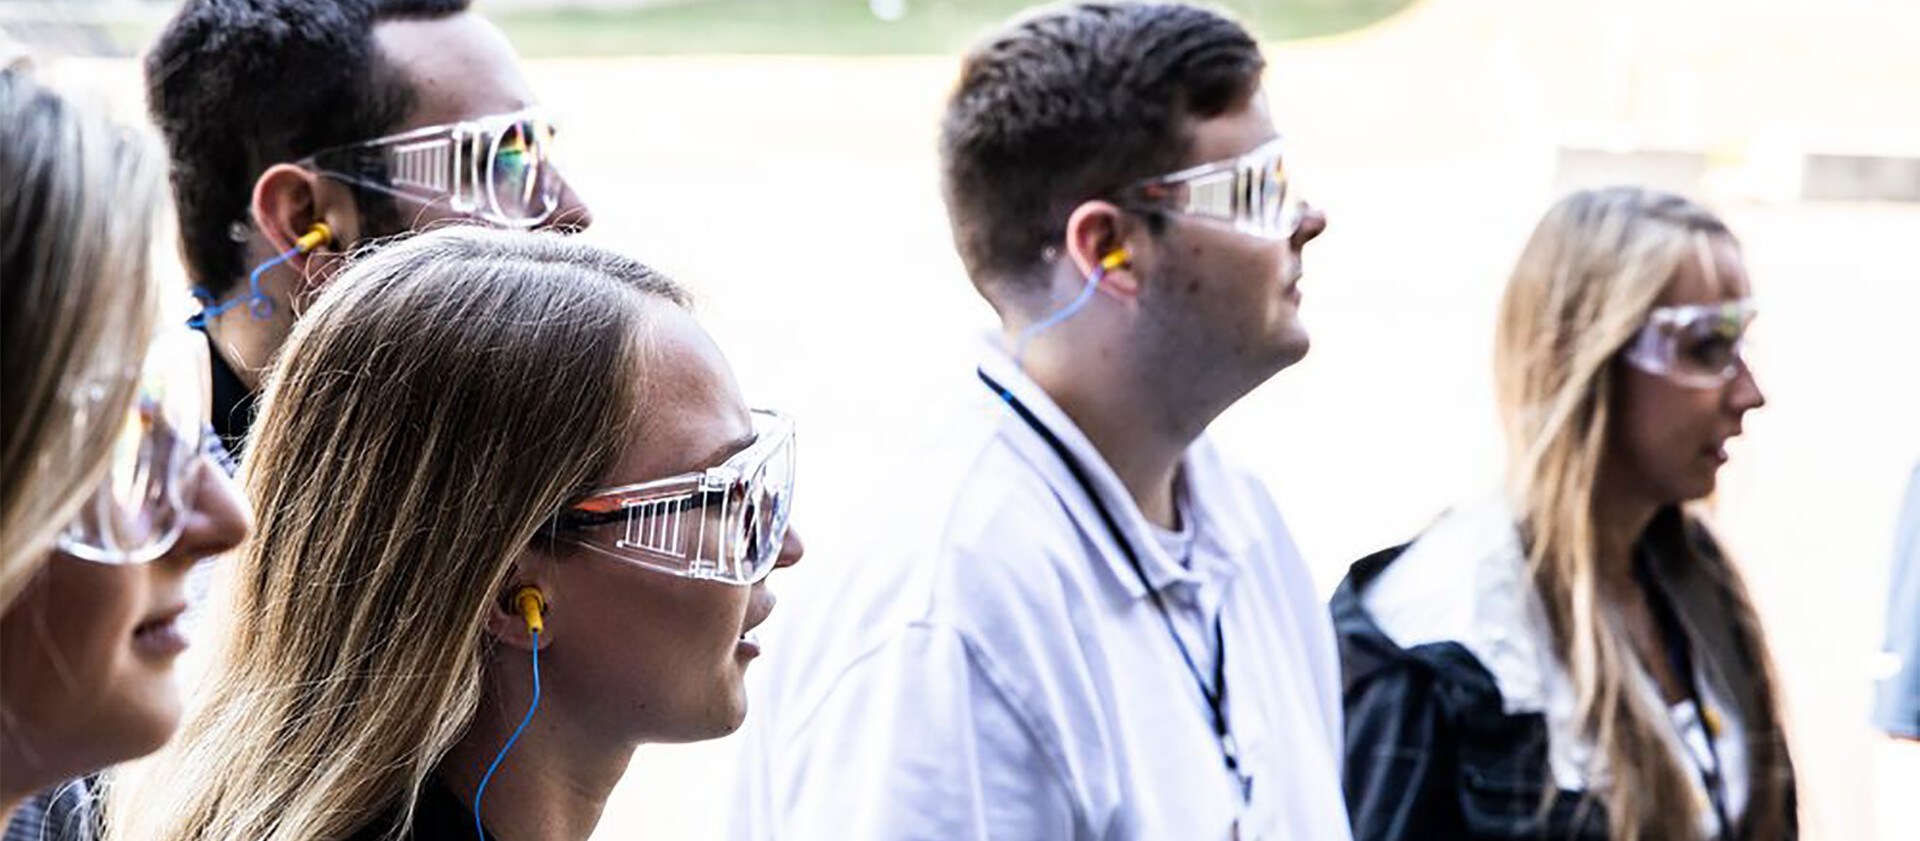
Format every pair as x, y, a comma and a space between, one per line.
554, 784
1140, 421
247, 342
9, 804
246, 351
1620, 519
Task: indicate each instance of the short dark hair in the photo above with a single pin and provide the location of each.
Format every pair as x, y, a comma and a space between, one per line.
239, 85
1073, 103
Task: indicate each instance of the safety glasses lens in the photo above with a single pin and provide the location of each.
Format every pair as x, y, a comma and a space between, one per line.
140, 507
525, 187
1276, 211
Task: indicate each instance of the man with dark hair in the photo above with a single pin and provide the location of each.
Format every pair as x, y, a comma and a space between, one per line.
1079, 621
299, 129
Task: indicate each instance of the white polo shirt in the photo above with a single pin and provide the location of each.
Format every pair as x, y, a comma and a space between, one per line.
993, 668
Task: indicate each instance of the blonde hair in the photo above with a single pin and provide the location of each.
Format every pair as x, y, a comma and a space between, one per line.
441, 401
80, 199
1585, 283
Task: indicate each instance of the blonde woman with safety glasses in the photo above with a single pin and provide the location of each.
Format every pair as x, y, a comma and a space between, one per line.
515, 521
1578, 657
106, 498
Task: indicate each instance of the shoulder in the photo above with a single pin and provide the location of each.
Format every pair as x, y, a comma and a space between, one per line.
967, 540
1463, 571
1456, 602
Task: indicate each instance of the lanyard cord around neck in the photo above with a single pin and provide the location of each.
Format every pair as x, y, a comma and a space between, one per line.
1215, 693
1673, 637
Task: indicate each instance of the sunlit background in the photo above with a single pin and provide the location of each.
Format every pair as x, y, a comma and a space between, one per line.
779, 158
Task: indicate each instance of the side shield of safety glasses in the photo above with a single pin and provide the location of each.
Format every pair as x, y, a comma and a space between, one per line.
1251, 193
724, 524
138, 511
498, 168
1696, 345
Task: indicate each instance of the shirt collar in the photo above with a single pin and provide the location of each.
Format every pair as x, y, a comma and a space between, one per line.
1214, 558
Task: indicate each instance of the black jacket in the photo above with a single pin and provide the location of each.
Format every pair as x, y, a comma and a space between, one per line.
1432, 755
439, 815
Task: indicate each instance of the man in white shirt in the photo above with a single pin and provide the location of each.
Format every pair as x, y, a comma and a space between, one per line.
1082, 622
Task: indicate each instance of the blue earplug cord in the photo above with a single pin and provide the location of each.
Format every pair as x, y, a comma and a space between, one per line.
480, 829
257, 301
1079, 302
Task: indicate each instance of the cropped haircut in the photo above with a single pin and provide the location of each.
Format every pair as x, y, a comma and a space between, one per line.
1074, 103
237, 86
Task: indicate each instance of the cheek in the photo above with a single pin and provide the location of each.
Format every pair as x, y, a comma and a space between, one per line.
70, 677
1665, 428
663, 653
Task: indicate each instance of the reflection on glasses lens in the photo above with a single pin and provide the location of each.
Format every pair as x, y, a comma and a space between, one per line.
520, 177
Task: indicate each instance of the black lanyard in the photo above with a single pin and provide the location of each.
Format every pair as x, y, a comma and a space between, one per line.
1215, 694
1673, 637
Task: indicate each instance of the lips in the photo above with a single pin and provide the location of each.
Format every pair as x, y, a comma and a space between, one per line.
1292, 287
160, 635
758, 610
1718, 449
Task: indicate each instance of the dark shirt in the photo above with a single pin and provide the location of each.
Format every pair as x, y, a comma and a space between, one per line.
62, 813
233, 403
439, 815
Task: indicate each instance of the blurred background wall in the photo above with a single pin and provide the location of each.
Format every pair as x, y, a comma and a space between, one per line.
779, 157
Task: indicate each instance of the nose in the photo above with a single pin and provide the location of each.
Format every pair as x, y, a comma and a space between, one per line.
790, 549
1312, 224
571, 216
218, 520
1744, 394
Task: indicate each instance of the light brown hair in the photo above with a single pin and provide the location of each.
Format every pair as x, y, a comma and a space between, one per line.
442, 400
80, 199
1585, 283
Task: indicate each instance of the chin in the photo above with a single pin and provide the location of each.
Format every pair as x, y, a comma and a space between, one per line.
125, 732
1290, 348
1694, 489
158, 718
720, 720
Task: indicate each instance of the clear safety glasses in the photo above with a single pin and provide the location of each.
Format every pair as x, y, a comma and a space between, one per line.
498, 168
1250, 193
137, 512
724, 524
1696, 345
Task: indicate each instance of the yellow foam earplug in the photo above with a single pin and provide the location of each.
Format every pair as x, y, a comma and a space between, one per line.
531, 605
315, 237
1114, 260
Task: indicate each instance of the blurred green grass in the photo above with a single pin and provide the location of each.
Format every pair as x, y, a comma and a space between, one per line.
816, 27
851, 27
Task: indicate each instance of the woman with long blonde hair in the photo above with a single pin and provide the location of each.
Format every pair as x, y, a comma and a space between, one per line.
106, 499
514, 521
1577, 657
